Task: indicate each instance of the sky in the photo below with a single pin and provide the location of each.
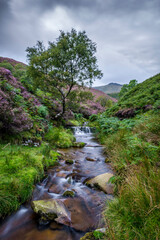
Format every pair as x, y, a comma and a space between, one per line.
127, 32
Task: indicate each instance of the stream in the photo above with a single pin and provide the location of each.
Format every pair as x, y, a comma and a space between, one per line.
86, 206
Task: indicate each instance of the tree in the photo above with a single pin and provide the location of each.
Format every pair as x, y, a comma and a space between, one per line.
67, 62
127, 87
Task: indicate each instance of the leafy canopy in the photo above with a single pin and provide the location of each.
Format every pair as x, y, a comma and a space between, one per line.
68, 61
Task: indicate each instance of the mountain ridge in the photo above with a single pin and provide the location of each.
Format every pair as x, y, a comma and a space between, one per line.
110, 88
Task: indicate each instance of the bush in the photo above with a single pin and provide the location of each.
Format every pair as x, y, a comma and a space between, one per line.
60, 137
42, 111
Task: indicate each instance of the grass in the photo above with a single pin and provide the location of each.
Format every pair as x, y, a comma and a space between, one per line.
60, 137
20, 168
133, 149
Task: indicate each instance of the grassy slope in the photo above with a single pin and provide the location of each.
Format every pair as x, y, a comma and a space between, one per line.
133, 149
145, 93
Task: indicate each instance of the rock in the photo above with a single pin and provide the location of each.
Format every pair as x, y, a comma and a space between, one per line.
90, 159
81, 217
55, 226
69, 193
101, 182
69, 161
52, 209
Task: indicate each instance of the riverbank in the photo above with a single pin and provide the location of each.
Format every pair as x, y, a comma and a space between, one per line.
20, 168
132, 148
85, 205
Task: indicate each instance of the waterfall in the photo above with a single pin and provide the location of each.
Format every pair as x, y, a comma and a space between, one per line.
81, 130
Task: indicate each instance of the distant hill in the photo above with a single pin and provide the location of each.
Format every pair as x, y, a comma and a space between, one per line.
110, 88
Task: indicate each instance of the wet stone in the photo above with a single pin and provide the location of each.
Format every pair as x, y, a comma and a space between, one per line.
69, 161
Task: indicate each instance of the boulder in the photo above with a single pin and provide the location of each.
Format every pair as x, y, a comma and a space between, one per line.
101, 182
51, 209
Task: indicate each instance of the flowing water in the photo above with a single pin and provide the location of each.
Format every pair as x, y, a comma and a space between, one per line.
85, 207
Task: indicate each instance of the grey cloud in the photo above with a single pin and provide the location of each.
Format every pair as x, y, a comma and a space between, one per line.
126, 32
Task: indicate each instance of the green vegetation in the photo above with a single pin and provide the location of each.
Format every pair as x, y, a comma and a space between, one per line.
145, 93
114, 95
127, 87
20, 168
60, 137
132, 148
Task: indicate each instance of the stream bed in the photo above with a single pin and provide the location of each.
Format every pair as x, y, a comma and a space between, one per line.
85, 207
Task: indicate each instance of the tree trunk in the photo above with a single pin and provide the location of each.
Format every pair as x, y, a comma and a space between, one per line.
63, 106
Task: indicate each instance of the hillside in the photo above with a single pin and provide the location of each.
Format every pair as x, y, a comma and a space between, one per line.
24, 108
147, 92
110, 88
130, 132
142, 97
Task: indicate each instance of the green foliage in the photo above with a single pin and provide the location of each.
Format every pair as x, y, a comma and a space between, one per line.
42, 111
67, 61
93, 117
114, 95
98, 235
20, 168
104, 102
60, 137
127, 87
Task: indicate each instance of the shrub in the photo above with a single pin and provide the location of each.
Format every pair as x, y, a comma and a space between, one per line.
60, 137
42, 111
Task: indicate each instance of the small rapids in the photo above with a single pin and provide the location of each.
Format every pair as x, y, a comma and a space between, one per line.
86, 206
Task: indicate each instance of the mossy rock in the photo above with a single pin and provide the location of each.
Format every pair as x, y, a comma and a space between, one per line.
79, 144
51, 209
88, 236
69, 161
69, 193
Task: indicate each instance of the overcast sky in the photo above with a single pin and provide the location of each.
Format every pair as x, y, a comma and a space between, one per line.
127, 32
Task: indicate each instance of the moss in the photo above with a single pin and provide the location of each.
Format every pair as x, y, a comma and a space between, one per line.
69, 193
